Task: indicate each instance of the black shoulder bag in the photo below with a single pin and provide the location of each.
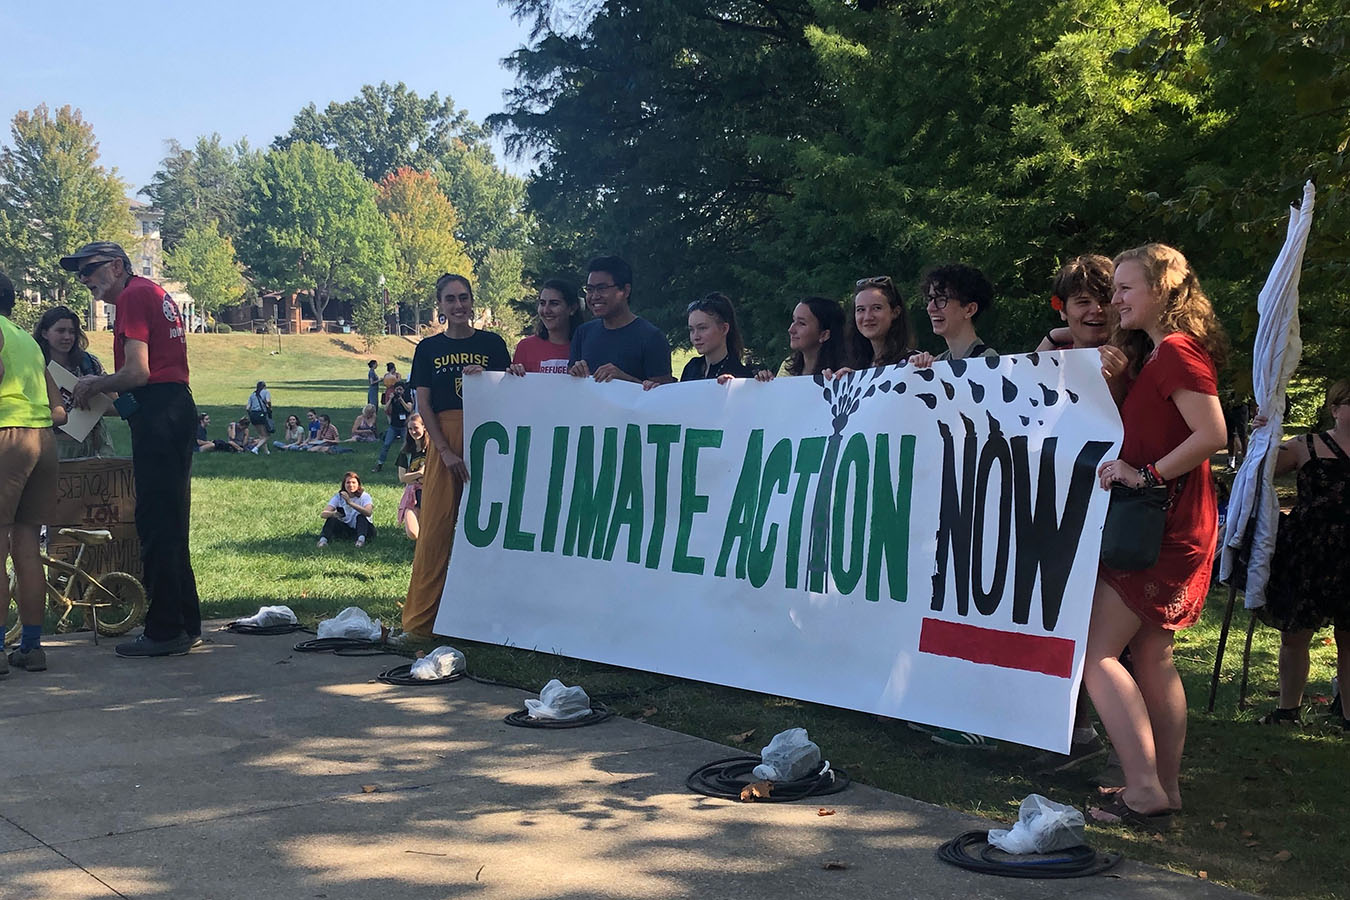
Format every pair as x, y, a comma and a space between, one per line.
1135, 521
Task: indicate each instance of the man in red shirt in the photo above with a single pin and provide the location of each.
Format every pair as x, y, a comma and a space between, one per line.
151, 377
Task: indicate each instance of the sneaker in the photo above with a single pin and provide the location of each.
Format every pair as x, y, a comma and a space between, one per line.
963, 739
196, 640
323, 542
1079, 753
34, 660
361, 540
377, 467
144, 647
253, 450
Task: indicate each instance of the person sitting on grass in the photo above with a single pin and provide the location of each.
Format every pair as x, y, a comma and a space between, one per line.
363, 426
410, 463
206, 444
327, 438
238, 435
348, 514
292, 435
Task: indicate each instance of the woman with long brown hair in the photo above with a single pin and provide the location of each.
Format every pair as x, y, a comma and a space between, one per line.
1173, 424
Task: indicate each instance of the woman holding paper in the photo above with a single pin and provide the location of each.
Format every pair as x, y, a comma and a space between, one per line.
64, 342
1173, 424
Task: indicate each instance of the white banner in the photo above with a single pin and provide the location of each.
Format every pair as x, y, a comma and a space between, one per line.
918, 544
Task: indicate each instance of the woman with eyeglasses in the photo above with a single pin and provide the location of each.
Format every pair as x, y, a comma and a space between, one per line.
559, 315
64, 342
957, 295
716, 339
439, 367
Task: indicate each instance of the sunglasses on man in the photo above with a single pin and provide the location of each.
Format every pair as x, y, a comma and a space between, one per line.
90, 268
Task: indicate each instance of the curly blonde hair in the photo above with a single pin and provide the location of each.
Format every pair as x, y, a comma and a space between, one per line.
1187, 307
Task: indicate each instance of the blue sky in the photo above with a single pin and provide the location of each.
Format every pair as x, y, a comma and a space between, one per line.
145, 72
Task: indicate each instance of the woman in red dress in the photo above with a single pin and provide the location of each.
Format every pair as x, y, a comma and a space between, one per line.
1173, 424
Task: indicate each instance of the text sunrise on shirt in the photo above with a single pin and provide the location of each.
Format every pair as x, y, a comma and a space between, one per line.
146, 313
439, 361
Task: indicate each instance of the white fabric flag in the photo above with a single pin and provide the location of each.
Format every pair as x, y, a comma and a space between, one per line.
1275, 356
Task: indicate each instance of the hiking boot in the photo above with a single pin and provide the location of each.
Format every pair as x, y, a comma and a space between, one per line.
1079, 753
34, 660
963, 740
144, 647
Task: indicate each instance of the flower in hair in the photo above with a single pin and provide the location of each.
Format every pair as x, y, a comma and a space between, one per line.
1056, 304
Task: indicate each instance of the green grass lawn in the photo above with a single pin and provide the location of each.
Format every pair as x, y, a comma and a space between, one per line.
1251, 792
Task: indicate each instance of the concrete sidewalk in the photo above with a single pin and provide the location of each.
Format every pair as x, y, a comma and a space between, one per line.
246, 770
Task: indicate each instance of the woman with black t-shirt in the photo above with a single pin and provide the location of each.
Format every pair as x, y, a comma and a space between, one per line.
717, 339
411, 462
439, 366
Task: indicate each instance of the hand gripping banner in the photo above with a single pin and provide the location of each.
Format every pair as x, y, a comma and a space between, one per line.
915, 543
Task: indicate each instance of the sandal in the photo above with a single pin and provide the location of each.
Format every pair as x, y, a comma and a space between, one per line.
1131, 818
1282, 716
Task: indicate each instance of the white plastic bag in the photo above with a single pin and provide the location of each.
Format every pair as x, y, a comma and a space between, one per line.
789, 756
1043, 826
557, 701
270, 615
439, 663
352, 622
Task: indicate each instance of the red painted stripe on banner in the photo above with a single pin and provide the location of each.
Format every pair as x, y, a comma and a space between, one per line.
991, 647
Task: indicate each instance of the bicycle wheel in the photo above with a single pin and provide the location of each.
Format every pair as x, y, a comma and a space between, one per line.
121, 603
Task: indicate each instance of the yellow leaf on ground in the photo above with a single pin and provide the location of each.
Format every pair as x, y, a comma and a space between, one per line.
759, 790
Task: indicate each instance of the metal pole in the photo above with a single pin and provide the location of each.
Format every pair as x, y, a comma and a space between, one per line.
1246, 658
1223, 640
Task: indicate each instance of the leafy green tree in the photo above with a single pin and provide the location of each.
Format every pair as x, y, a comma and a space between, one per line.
490, 202
423, 224
368, 319
204, 260
386, 128
54, 196
500, 290
1278, 78
200, 186
664, 130
311, 224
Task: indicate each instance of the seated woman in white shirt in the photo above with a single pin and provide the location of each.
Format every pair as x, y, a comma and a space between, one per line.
348, 514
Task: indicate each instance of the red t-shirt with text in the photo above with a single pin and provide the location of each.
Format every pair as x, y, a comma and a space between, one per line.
539, 355
146, 313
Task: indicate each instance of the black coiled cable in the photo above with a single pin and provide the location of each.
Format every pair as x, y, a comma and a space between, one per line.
402, 675
285, 628
725, 778
1074, 862
521, 718
341, 646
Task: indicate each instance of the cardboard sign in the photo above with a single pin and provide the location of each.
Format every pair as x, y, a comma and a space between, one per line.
97, 493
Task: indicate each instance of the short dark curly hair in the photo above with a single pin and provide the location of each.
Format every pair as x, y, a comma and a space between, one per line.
1087, 274
960, 282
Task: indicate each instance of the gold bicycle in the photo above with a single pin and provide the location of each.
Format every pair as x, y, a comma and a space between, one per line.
114, 602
